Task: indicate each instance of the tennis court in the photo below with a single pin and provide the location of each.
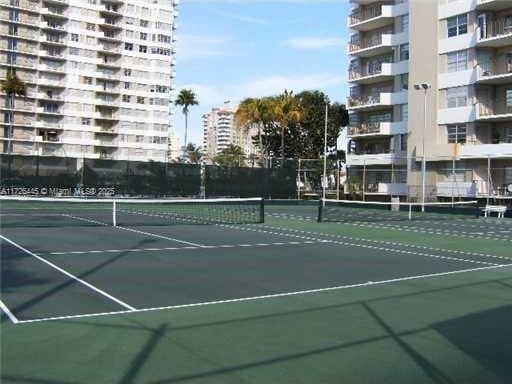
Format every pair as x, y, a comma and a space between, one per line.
110, 292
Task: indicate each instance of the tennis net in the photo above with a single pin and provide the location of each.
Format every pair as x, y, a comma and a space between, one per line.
365, 211
63, 212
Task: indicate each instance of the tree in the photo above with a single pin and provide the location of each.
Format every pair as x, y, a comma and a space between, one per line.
286, 111
194, 153
13, 86
186, 98
253, 112
231, 156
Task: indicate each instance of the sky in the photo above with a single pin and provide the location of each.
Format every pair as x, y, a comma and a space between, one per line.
233, 49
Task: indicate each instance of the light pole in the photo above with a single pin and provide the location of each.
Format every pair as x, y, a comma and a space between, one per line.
425, 87
325, 149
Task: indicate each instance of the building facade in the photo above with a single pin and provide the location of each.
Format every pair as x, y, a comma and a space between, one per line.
99, 74
460, 121
219, 131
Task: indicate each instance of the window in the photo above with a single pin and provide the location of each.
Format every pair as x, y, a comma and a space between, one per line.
457, 25
128, 46
13, 30
139, 138
456, 133
404, 81
143, 36
126, 98
140, 99
127, 72
143, 48
456, 97
405, 23
126, 85
86, 80
509, 100
74, 51
12, 44
404, 52
75, 37
86, 121
458, 61
90, 27
144, 23
404, 112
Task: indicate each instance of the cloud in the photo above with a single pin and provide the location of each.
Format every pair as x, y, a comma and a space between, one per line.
192, 47
271, 85
313, 42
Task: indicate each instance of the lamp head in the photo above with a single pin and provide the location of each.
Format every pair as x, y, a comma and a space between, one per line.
421, 86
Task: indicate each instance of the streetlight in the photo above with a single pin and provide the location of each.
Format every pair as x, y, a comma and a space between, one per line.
324, 184
425, 87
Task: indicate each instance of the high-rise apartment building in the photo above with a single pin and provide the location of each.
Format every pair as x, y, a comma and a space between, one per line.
98, 73
461, 51
219, 131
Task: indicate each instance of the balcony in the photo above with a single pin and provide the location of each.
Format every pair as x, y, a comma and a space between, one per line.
109, 63
484, 151
490, 113
379, 101
374, 17
106, 116
111, 10
46, 124
111, 50
106, 143
109, 23
47, 111
378, 44
51, 68
109, 103
52, 26
388, 158
52, 40
53, 55
111, 90
490, 73
111, 36
387, 189
105, 130
492, 5
108, 76
378, 72
51, 82
378, 129
46, 96
53, 12
496, 34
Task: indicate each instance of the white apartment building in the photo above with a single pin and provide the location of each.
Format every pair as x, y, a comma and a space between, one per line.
462, 49
219, 131
99, 74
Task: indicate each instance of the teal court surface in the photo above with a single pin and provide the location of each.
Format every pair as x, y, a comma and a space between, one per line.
368, 298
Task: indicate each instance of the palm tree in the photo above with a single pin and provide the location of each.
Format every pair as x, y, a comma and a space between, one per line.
253, 112
286, 111
231, 156
13, 87
186, 98
194, 153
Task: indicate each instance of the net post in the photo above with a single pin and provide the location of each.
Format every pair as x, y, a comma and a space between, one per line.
262, 210
114, 213
320, 208
410, 211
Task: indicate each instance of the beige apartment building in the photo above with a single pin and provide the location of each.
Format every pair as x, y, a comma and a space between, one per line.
99, 75
219, 131
461, 50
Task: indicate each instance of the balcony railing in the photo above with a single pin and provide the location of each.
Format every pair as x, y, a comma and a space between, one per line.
366, 100
495, 29
488, 109
365, 14
370, 70
490, 68
358, 44
364, 129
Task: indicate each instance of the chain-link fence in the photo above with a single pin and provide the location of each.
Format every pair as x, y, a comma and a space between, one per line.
54, 176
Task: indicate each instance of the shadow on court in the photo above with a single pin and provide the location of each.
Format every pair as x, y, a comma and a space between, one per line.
484, 336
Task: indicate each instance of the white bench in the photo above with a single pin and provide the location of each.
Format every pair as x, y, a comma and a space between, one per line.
499, 209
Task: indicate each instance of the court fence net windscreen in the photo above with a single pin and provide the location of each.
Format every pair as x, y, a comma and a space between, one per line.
64, 212
368, 211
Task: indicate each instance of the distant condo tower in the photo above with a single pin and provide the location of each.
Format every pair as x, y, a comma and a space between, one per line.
99, 77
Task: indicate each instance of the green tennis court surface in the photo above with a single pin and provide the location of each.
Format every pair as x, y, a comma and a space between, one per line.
285, 301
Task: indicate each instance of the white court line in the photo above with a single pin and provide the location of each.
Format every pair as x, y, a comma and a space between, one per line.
134, 230
359, 245
259, 245
9, 314
271, 296
160, 236
101, 292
